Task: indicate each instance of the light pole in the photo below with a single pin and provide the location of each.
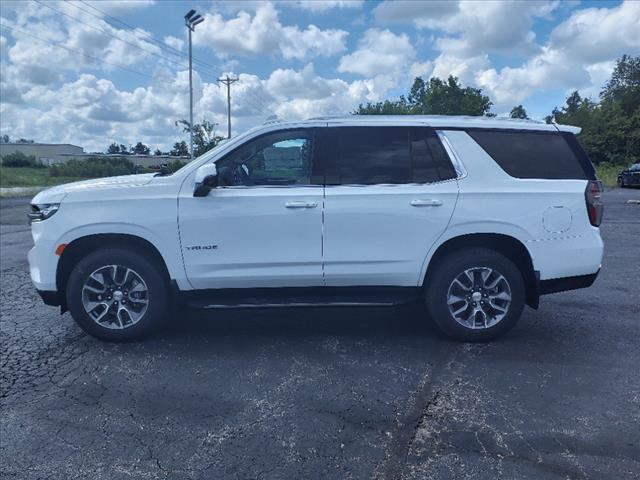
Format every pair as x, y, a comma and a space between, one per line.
190, 21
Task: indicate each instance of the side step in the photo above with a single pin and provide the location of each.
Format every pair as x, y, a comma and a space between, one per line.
300, 297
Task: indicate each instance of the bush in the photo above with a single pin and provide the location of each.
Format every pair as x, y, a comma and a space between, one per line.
93, 167
19, 159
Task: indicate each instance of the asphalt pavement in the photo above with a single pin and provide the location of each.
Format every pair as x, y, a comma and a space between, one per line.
327, 393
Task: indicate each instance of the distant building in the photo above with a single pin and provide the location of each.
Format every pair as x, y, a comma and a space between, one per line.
46, 153
55, 153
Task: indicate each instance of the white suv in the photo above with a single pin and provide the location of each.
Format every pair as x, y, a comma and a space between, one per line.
476, 216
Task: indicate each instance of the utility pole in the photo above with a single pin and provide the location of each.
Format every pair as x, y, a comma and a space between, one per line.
190, 21
228, 82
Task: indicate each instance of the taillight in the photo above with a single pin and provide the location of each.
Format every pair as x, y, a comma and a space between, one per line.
593, 197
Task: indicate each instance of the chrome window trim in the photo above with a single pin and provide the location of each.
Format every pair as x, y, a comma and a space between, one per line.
461, 171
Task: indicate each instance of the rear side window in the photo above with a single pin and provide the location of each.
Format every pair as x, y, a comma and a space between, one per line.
535, 154
430, 162
383, 155
370, 155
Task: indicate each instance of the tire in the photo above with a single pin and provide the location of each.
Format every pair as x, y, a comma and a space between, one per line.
621, 182
489, 323
139, 311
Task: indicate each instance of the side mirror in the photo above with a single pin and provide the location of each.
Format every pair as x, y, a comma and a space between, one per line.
206, 179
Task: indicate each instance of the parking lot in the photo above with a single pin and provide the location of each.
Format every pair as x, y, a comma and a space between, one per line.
327, 393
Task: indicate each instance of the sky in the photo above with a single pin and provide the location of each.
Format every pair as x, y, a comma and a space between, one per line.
95, 72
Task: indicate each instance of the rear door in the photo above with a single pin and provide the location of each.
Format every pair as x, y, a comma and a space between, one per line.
390, 193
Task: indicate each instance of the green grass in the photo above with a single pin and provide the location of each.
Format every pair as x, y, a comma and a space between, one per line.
31, 177
39, 177
608, 173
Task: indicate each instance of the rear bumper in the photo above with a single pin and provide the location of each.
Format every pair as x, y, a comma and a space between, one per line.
555, 285
50, 297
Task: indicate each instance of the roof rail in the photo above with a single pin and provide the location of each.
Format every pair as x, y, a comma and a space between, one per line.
326, 117
271, 119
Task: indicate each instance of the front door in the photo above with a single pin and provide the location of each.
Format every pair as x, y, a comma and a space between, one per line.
262, 227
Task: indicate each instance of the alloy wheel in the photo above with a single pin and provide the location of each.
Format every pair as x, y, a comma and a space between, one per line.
479, 297
115, 297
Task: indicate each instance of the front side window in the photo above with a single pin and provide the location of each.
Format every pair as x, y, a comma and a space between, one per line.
279, 158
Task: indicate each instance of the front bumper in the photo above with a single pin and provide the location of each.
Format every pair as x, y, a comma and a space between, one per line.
632, 181
43, 264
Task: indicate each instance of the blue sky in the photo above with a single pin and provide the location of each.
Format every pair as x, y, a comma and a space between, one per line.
92, 72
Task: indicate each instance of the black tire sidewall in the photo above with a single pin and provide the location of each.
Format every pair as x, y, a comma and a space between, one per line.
141, 264
451, 266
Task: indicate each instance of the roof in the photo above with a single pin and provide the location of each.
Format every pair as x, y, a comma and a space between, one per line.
35, 144
445, 121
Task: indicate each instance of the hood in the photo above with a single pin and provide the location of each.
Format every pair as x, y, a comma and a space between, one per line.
56, 194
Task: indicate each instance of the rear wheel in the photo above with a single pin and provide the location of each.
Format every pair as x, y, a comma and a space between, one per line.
475, 295
117, 295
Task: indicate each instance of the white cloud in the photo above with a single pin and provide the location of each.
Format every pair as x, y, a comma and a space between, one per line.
410, 11
598, 34
379, 52
174, 42
318, 6
118, 7
421, 69
473, 27
262, 33
578, 56
47, 44
303, 94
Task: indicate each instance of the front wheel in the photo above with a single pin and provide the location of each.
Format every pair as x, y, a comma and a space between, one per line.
475, 295
117, 295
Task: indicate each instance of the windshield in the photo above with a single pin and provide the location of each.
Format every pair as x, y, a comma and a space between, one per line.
635, 167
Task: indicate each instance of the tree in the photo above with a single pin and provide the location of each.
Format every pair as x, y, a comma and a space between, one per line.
140, 149
204, 135
624, 84
180, 149
113, 148
437, 97
157, 152
611, 128
518, 112
24, 140
123, 149
5, 139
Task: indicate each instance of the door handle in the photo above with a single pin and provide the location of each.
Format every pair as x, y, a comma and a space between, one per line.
301, 204
426, 203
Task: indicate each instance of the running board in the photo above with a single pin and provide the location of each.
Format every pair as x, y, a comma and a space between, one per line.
300, 297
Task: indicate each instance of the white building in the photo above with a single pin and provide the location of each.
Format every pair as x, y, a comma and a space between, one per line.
46, 153
55, 153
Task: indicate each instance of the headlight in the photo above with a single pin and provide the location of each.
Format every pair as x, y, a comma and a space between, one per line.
42, 211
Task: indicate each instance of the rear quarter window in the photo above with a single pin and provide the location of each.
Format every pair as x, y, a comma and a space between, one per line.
545, 155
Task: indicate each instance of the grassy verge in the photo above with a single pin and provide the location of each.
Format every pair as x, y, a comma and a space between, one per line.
31, 177
40, 177
609, 173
